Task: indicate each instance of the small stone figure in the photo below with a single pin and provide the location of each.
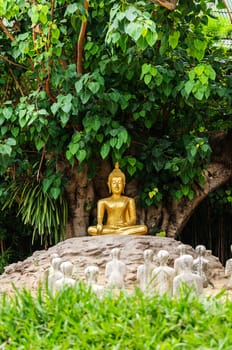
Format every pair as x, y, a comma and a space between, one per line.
144, 272
50, 270
115, 270
187, 277
53, 256
54, 273
66, 268
201, 266
177, 263
162, 276
228, 272
91, 275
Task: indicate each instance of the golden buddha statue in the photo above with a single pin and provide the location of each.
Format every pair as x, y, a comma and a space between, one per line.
120, 210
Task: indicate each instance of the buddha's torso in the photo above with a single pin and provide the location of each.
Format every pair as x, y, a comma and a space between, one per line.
117, 210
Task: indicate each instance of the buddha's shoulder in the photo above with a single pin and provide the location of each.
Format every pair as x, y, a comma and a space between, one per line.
103, 200
110, 199
127, 198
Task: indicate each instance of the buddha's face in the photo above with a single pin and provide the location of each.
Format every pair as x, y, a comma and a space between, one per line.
117, 185
200, 250
115, 253
148, 255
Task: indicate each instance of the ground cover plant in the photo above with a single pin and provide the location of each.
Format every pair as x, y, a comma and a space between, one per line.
77, 319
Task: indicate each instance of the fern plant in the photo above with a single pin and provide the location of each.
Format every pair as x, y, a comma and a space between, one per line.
46, 214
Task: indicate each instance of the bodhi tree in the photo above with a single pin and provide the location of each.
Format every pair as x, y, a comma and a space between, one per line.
84, 84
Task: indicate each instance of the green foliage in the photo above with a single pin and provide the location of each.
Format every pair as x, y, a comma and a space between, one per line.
131, 22
170, 166
5, 259
161, 234
198, 82
221, 199
15, 237
77, 319
46, 211
219, 27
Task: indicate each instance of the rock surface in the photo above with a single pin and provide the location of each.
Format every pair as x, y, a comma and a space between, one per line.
85, 251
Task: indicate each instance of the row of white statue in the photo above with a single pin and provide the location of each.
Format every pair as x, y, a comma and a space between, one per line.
151, 278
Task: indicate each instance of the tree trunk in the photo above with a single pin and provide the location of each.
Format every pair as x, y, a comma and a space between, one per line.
180, 211
79, 192
80, 196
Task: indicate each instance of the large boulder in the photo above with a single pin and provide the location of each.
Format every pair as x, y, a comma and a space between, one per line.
85, 251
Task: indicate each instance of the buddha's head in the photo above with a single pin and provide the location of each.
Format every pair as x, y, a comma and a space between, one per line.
116, 179
91, 273
163, 256
115, 253
148, 255
66, 268
200, 250
182, 248
56, 262
186, 263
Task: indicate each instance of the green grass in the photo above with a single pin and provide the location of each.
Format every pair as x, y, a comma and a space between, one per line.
77, 319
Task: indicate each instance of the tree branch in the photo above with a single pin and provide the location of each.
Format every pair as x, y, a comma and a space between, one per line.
80, 40
6, 31
170, 5
12, 38
47, 82
41, 162
6, 59
16, 82
48, 89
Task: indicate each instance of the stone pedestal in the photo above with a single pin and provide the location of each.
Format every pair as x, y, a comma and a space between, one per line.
85, 251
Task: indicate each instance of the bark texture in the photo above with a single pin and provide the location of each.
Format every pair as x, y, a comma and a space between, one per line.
79, 192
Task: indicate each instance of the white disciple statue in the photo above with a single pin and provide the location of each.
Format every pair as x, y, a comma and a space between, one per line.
115, 270
54, 273
187, 279
91, 275
67, 269
201, 265
144, 272
228, 272
182, 248
162, 276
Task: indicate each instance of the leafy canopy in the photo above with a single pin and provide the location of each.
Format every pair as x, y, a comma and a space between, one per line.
154, 85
